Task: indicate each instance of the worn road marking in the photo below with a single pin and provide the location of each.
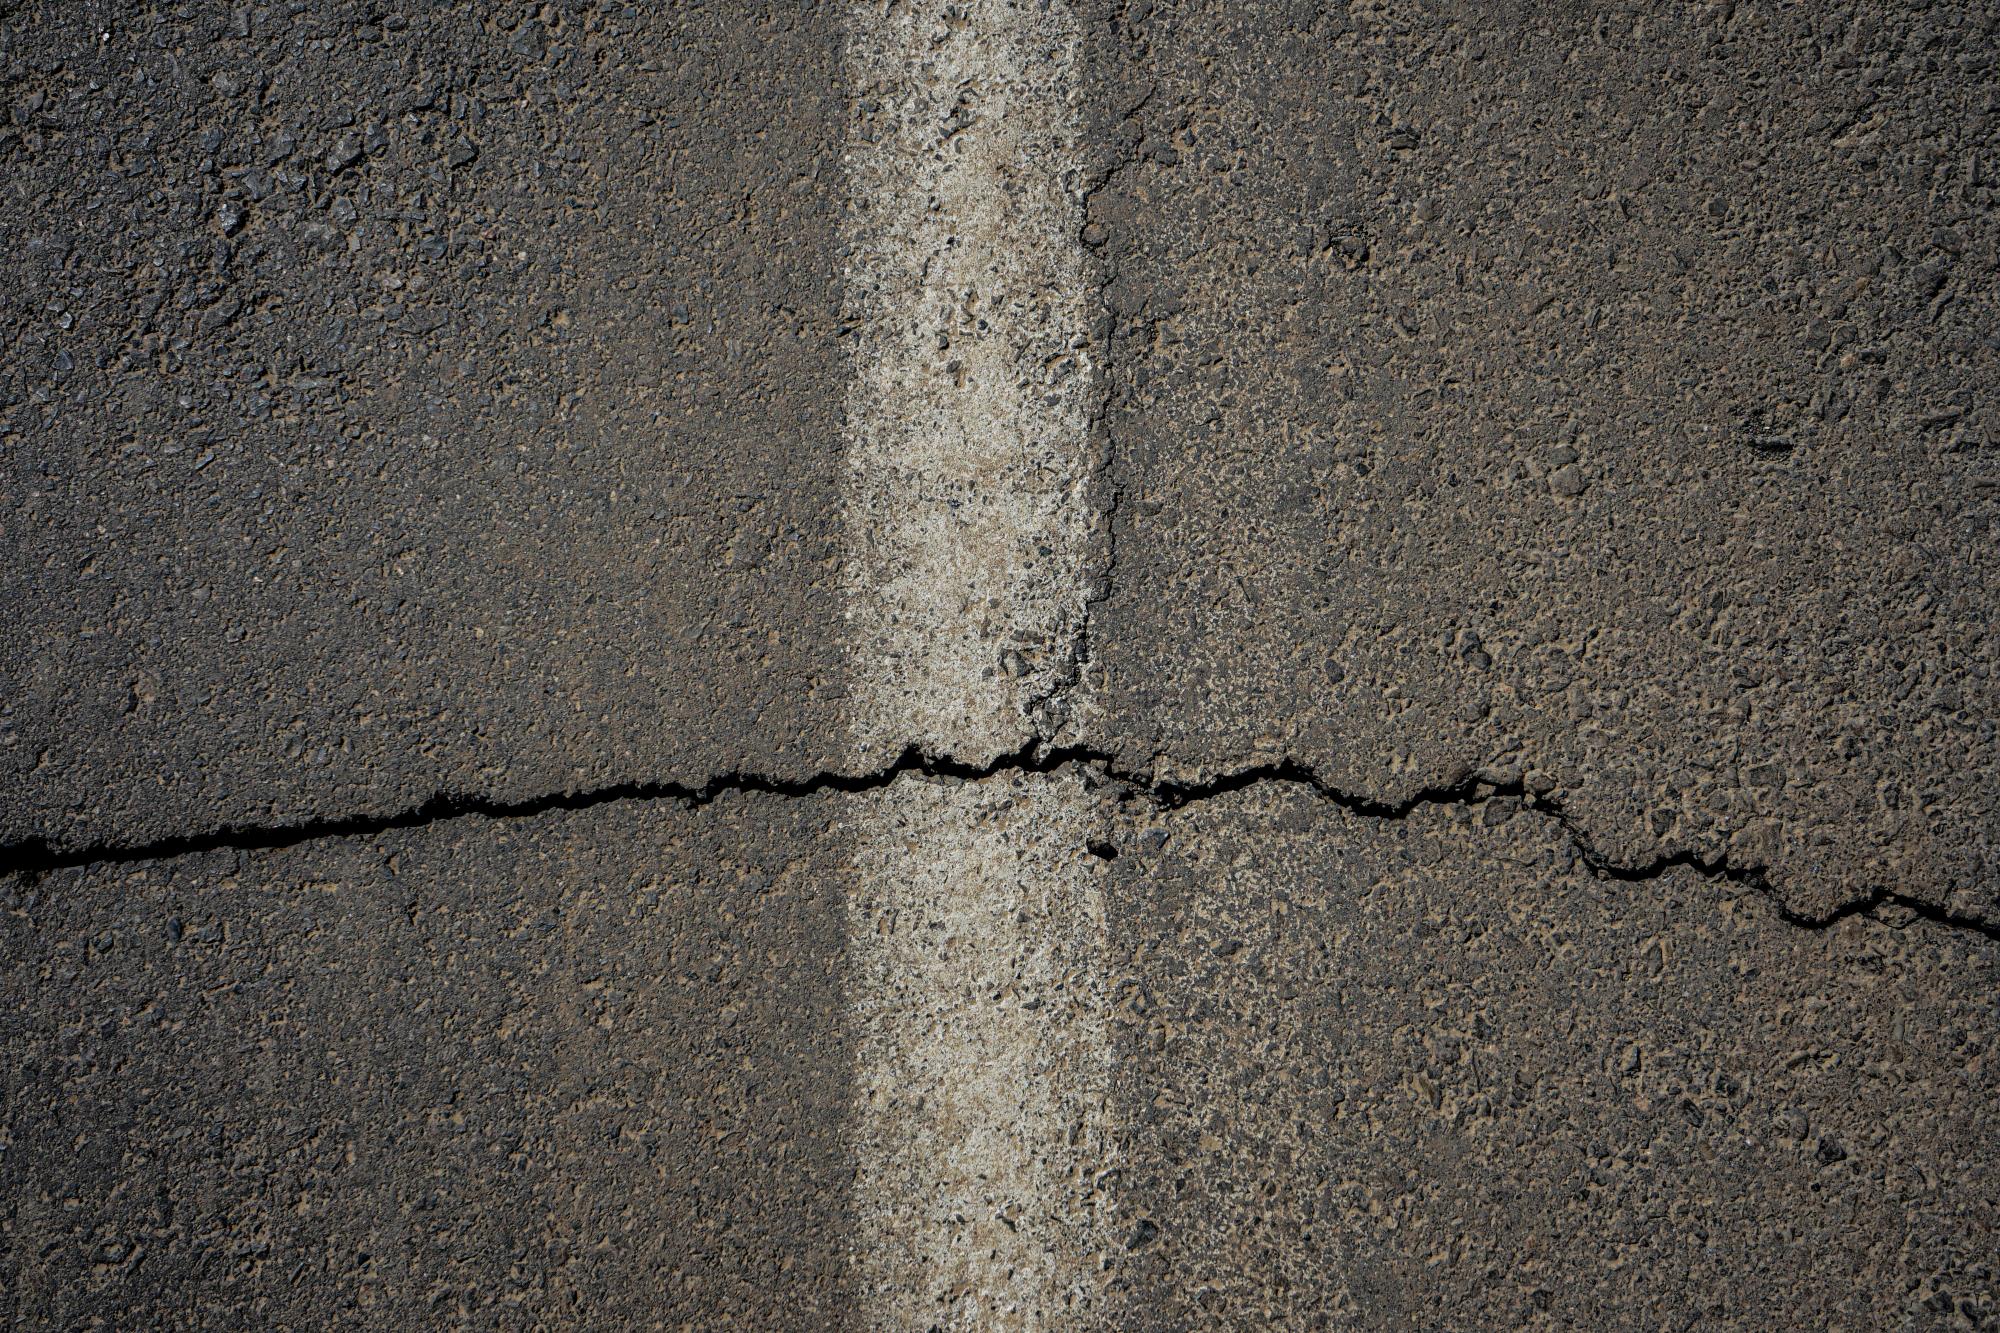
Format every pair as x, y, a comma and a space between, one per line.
976, 917
968, 418
977, 990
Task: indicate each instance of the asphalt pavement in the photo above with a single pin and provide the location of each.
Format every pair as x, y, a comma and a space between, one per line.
405, 405
999, 665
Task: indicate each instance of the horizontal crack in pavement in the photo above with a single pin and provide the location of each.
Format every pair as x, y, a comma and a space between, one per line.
34, 857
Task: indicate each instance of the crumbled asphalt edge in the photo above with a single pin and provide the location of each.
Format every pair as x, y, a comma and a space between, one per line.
1112, 151
34, 858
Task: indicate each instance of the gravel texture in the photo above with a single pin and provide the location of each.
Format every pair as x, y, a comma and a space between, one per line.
403, 405
1596, 396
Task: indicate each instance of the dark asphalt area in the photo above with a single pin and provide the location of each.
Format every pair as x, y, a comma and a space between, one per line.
1541, 678
413, 406
1596, 393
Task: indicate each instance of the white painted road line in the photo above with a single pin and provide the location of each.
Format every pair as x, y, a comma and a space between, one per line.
968, 417
976, 919
984, 1061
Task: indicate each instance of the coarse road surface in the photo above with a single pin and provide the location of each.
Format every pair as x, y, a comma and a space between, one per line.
1005, 664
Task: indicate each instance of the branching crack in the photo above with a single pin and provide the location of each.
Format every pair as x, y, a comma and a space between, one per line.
34, 857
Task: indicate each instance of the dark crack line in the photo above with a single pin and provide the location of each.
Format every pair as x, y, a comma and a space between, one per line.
1869, 905
36, 857
1473, 791
1755, 877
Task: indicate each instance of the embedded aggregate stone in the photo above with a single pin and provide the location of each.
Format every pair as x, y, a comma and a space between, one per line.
411, 402
1594, 391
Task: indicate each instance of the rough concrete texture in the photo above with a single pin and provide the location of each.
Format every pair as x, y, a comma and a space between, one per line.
1591, 396
397, 404
1431, 1073
580, 1070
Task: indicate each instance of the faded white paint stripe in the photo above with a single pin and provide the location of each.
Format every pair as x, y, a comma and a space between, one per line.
983, 1065
969, 412
977, 915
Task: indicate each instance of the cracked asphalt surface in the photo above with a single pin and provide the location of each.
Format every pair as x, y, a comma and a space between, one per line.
328, 344
1509, 842
1596, 394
